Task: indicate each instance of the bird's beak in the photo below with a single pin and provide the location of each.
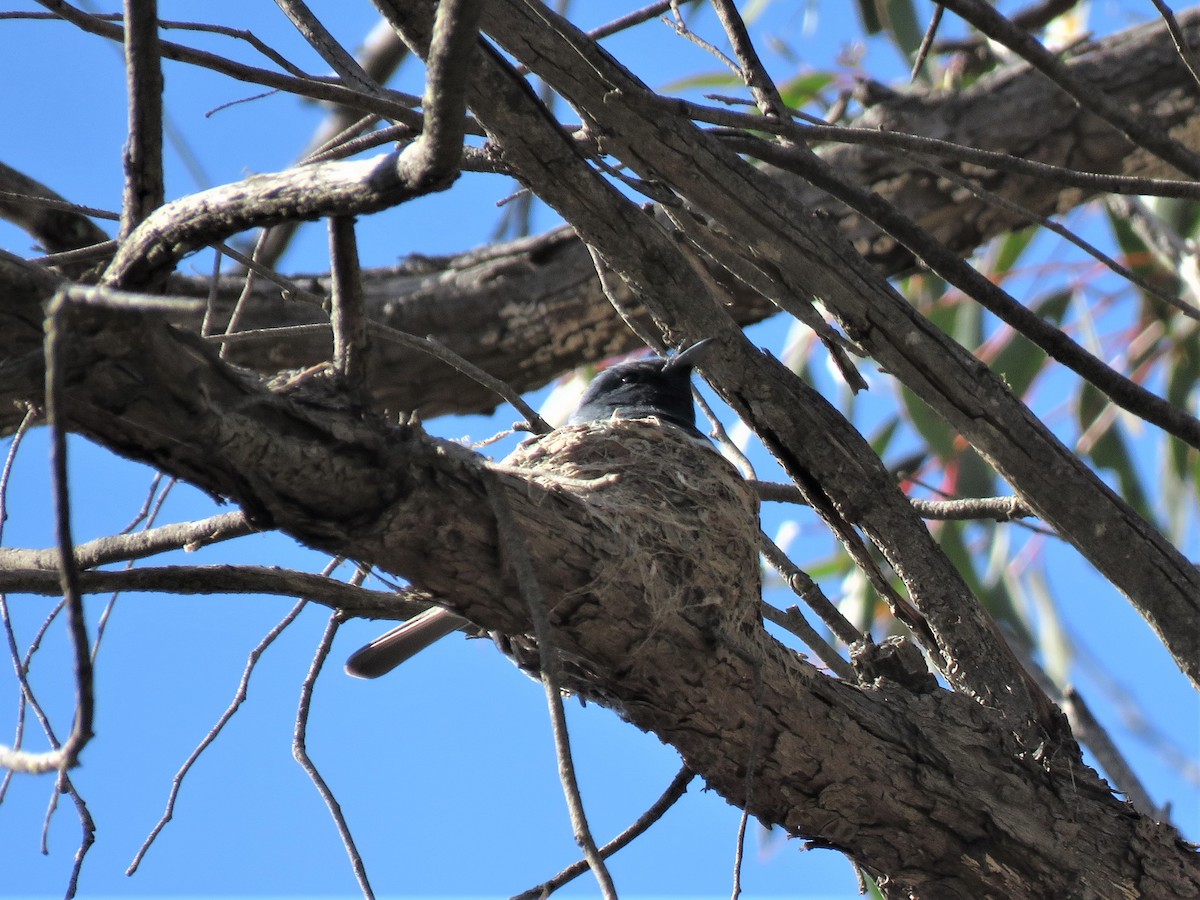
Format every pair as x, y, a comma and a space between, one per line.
691, 357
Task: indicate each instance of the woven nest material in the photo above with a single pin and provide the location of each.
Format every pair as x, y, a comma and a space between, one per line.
679, 524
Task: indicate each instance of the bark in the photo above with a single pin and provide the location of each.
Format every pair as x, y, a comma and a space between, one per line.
925, 787
980, 793
529, 310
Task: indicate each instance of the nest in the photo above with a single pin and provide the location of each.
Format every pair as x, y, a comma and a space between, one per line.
676, 526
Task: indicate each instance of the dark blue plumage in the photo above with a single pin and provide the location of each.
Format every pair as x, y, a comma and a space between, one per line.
645, 387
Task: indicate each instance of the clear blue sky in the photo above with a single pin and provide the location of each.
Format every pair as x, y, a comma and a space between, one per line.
445, 770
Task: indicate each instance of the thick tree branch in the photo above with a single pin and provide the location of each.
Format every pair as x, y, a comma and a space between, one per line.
416, 507
540, 284
1163, 584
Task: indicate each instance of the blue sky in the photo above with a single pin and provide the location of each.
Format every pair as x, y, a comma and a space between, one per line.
445, 770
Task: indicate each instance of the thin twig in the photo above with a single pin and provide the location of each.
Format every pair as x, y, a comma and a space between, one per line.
1050, 225
292, 289
627, 313
347, 317
117, 548
115, 298
87, 825
243, 299
516, 554
60, 205
10, 635
67, 755
1001, 509
676, 789
805, 588
740, 849
793, 621
208, 580
1181, 44
300, 747
751, 764
754, 73
330, 50
1001, 162
718, 433
239, 698
427, 345
1087, 95
927, 41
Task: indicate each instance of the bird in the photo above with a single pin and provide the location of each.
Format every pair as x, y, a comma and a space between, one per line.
654, 388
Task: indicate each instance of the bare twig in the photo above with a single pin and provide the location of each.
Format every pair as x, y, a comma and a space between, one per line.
628, 314
90, 253
113, 298
87, 838
927, 41
1001, 509
239, 698
793, 621
748, 799
239, 307
807, 589
434, 157
5, 618
739, 851
213, 580
754, 73
516, 554
346, 314
318, 36
189, 535
676, 789
67, 755
144, 87
300, 748
1181, 45
391, 104
998, 28
1001, 162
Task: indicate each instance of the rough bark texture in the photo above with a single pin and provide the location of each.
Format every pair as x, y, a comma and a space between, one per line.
513, 309
930, 789
979, 793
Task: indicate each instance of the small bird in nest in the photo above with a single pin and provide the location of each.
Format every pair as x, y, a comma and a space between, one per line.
690, 508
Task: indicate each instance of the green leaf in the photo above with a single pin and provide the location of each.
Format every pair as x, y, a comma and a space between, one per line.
721, 78
883, 436
1109, 450
870, 16
929, 425
798, 92
1182, 378
1182, 216
1020, 360
903, 26
975, 477
1010, 249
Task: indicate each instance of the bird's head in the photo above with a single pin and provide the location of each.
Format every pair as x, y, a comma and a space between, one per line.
643, 387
